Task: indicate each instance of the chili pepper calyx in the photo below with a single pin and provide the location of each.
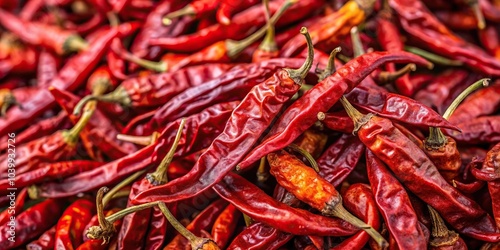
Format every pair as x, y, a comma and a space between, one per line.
106, 229
366, 5
75, 43
186, 11
385, 76
330, 67
262, 173
7, 99
119, 96
359, 123
441, 236
299, 74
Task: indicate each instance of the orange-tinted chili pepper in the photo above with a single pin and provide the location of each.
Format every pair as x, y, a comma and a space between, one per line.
225, 225
72, 223
457, 20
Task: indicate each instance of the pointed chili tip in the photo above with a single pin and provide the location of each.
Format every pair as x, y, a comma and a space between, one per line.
299, 74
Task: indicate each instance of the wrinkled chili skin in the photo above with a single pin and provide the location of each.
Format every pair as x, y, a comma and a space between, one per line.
359, 199
255, 113
483, 129
394, 205
474, 105
46, 241
446, 159
338, 121
225, 225
72, 223
303, 113
417, 173
198, 133
32, 222
260, 236
243, 194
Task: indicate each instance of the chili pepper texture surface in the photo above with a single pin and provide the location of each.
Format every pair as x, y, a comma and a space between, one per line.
249, 124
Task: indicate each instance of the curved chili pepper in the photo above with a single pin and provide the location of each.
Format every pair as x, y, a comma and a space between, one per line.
417, 172
303, 113
242, 25
394, 205
234, 142
15, 207
475, 106
207, 125
31, 223
46, 241
442, 238
228, 8
72, 223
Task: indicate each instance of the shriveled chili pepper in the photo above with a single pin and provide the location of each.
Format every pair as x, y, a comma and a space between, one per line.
234, 142
31, 223
428, 31
475, 106
298, 179
50, 37
207, 123
228, 8
239, 192
337, 121
417, 172
442, 237
72, 223
394, 205
15, 207
225, 225
303, 113
484, 129
46, 241
241, 26
197, 9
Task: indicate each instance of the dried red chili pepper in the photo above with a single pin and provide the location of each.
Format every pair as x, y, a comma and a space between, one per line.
15, 206
234, 142
299, 180
484, 129
46, 241
31, 223
260, 236
457, 20
442, 237
490, 39
225, 225
207, 125
337, 121
239, 192
228, 8
72, 223
395, 206
48, 65
241, 26
16, 58
475, 106
303, 113
417, 172
16, 96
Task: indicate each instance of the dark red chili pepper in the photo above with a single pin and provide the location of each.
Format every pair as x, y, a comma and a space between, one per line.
426, 29
239, 192
72, 223
475, 106
228, 8
197, 8
303, 112
225, 225
242, 25
484, 129
442, 238
46, 241
30, 223
234, 142
417, 172
15, 206
207, 125
50, 37
157, 231
116, 65
394, 205
359, 199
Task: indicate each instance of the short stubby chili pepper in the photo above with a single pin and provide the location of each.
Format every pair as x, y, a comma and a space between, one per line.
34, 33
303, 113
207, 124
340, 158
72, 223
417, 173
46, 241
474, 105
241, 26
310, 188
153, 90
443, 238
228, 8
30, 223
360, 200
395, 206
225, 225
241, 193
234, 142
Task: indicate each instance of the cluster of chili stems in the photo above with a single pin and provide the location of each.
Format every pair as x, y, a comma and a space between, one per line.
210, 138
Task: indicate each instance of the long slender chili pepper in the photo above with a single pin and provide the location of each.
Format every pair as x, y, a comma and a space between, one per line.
197, 8
394, 204
207, 125
442, 237
417, 172
234, 142
474, 105
325, 198
34, 33
48, 65
242, 25
31, 223
46, 241
14, 208
225, 225
228, 8
74, 72
303, 113
72, 223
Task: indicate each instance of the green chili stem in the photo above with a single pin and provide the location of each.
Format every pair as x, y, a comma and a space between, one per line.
118, 215
299, 74
433, 57
269, 42
392, 76
357, 46
234, 48
74, 44
139, 140
357, 117
119, 96
109, 195
186, 11
160, 175
71, 136
474, 5
330, 67
160, 66
306, 154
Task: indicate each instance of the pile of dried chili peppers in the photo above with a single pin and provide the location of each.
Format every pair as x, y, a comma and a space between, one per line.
250, 124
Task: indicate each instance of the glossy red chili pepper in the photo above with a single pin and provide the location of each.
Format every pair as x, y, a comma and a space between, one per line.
31, 223
303, 113
228, 8
337, 121
239, 191
359, 199
474, 105
225, 225
242, 25
416, 172
72, 223
234, 142
395, 206
15, 206
46, 241
426, 29
207, 125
